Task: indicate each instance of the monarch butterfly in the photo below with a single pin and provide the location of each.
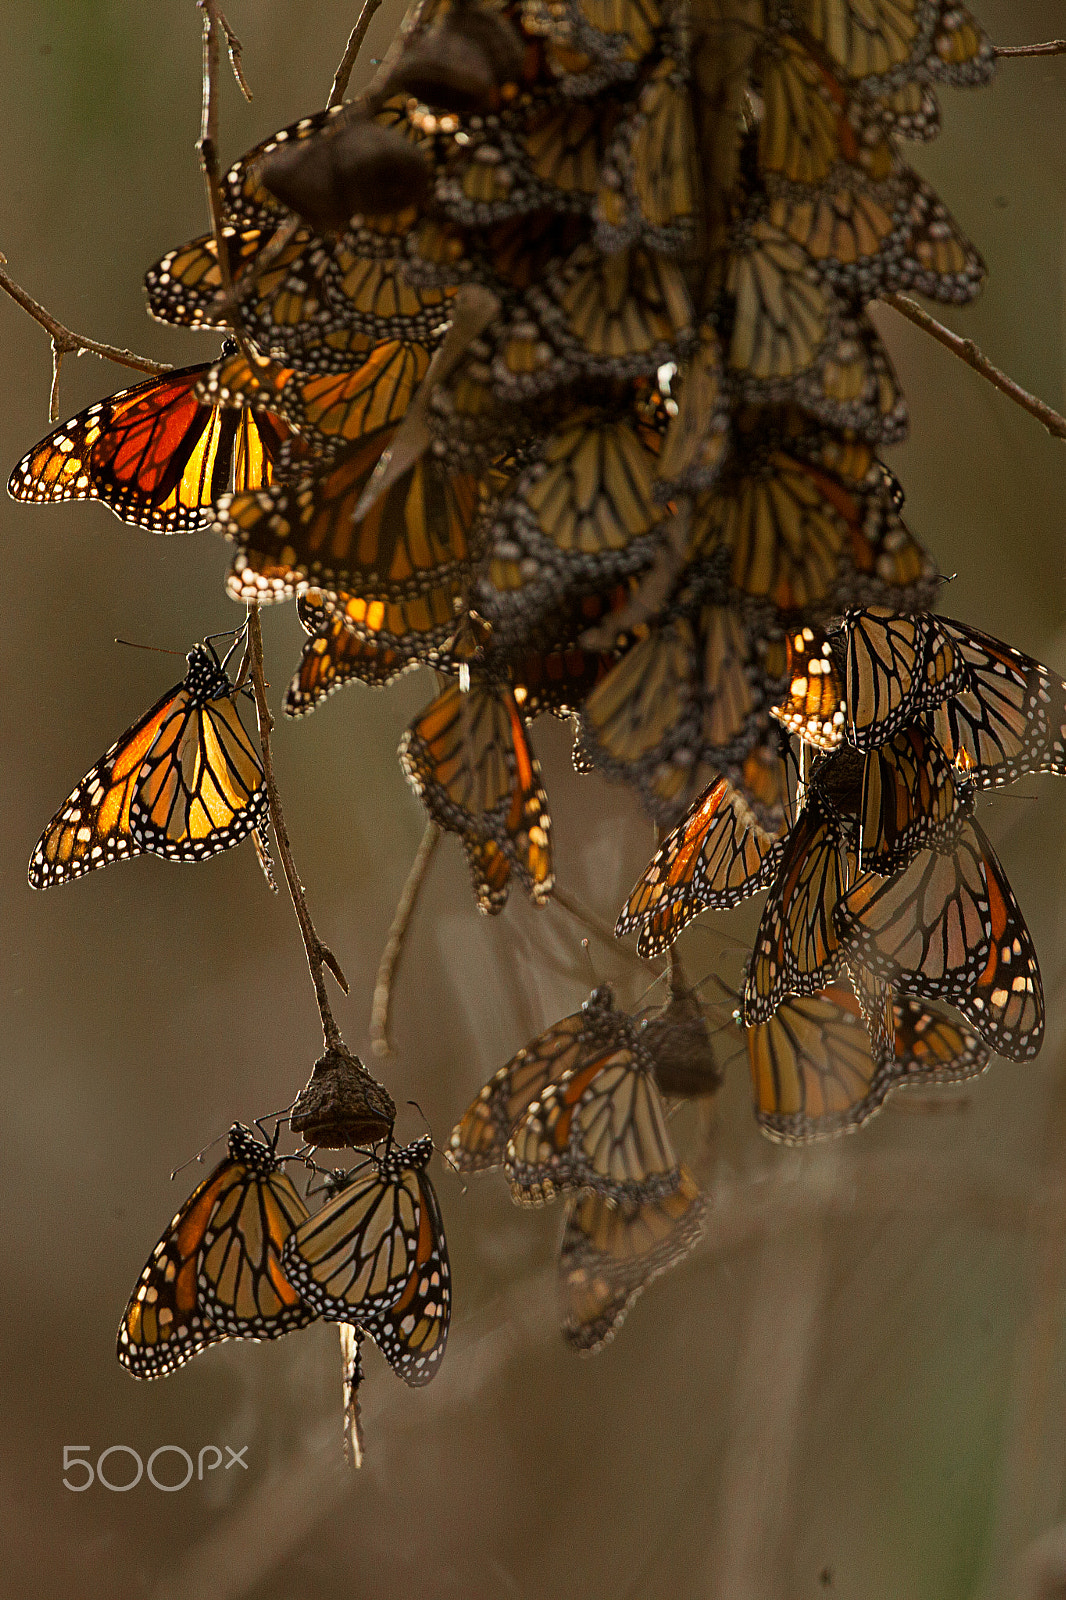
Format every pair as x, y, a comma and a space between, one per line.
616, 28
717, 857
816, 1071
334, 656
798, 949
375, 1256
479, 1139
883, 41
314, 307
419, 628
216, 1273
814, 709
645, 708
962, 53
650, 182
580, 515
1009, 720
183, 782
602, 1126
566, 146
805, 130
948, 926
791, 339
415, 536
329, 410
813, 1070
895, 668
156, 455
467, 757
909, 797
933, 1047
615, 316
613, 1249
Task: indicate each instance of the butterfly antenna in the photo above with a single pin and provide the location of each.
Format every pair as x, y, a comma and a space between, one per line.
199, 1156
157, 649
425, 1119
591, 963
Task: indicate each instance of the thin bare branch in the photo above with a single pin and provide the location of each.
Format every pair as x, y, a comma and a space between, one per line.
351, 50
967, 351
207, 150
69, 343
390, 955
318, 954
1051, 47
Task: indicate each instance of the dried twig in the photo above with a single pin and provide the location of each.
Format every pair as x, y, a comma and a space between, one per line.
318, 954
1051, 47
207, 150
235, 52
967, 351
390, 955
351, 50
65, 342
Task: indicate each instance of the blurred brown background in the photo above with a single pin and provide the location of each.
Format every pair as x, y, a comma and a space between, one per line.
855, 1387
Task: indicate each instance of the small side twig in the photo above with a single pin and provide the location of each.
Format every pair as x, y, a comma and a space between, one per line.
65, 342
394, 943
1050, 47
235, 52
318, 954
967, 351
351, 50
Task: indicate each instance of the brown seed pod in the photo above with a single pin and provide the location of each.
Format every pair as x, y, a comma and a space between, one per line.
463, 65
358, 168
341, 1105
680, 1047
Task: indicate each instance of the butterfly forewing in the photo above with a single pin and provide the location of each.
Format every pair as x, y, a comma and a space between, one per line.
469, 760
479, 1138
896, 667
216, 1272
717, 857
797, 947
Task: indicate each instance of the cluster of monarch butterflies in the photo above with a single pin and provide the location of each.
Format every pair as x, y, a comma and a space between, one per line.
555, 376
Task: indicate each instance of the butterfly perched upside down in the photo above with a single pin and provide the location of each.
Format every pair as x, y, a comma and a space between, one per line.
216, 1273
183, 782
375, 1256
468, 759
